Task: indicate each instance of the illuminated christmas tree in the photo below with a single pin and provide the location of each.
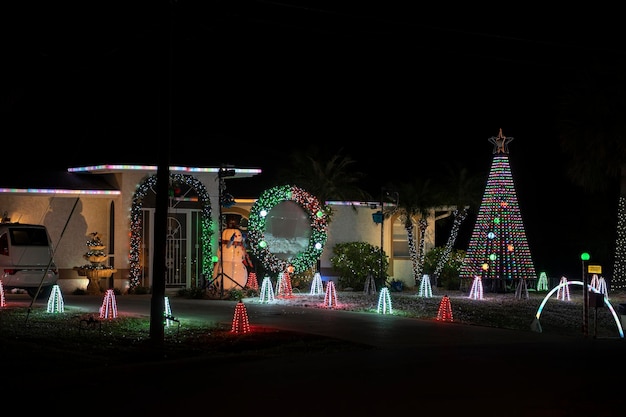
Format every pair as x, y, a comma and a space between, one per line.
476, 292
426, 290
563, 290
108, 310
542, 284
252, 282
317, 287
330, 298
384, 302
267, 291
498, 250
3, 301
241, 323
55, 300
444, 313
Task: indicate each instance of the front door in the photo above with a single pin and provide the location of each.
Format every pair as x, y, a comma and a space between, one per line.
183, 252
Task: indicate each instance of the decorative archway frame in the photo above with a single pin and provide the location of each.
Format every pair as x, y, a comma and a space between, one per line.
257, 223
136, 224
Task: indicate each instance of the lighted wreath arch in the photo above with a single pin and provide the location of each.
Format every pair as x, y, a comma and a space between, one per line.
257, 224
206, 229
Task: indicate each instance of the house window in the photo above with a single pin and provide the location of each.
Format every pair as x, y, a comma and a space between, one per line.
400, 241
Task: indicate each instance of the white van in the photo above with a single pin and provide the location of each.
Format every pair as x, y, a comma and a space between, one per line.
26, 259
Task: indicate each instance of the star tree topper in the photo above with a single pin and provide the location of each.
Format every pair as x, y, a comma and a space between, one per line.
500, 143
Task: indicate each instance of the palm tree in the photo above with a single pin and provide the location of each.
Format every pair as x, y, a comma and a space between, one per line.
415, 200
463, 191
328, 176
592, 130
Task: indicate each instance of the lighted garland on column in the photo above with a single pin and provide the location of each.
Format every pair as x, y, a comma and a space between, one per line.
618, 282
417, 269
256, 228
136, 224
459, 218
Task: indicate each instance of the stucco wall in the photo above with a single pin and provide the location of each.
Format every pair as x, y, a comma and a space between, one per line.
68, 222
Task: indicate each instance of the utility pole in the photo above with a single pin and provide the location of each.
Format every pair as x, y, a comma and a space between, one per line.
164, 62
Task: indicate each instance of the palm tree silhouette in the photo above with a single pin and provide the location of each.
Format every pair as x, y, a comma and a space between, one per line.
414, 204
330, 176
463, 191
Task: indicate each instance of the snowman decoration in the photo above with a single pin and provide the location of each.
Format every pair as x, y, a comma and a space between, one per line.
230, 270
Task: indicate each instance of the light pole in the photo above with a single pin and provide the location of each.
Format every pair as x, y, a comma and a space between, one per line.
225, 200
585, 257
382, 241
379, 217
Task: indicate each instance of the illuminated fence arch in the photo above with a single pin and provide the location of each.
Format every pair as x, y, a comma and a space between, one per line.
562, 284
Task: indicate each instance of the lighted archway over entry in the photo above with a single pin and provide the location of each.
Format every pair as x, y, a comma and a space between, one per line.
136, 224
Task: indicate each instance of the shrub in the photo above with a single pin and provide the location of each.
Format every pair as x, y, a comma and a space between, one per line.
193, 292
449, 276
355, 261
302, 280
139, 290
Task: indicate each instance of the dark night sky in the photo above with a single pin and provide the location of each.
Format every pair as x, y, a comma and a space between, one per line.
401, 89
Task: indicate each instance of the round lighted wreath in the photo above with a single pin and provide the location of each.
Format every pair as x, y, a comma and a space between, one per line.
256, 228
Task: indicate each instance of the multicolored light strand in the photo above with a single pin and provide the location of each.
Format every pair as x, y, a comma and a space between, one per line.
256, 228
498, 249
135, 274
618, 281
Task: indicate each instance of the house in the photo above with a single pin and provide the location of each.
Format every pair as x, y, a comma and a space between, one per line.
118, 203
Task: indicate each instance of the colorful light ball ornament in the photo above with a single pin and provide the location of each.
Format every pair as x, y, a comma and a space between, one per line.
256, 228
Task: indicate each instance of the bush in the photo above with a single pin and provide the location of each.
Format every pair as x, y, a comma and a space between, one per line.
302, 280
355, 261
138, 290
449, 276
193, 292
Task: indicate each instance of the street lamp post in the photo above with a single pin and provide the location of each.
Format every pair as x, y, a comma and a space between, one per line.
225, 200
382, 241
